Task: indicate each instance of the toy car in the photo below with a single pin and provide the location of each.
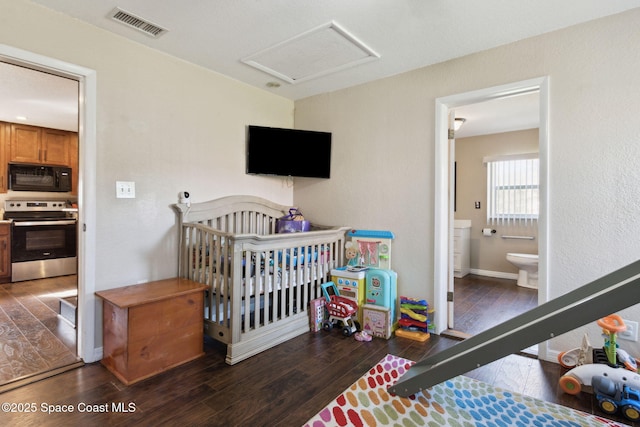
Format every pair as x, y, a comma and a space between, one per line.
584, 355
613, 396
583, 375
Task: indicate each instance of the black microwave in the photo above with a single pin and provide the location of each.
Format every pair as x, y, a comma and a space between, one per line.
24, 177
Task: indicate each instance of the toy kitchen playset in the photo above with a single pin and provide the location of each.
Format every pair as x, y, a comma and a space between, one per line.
369, 281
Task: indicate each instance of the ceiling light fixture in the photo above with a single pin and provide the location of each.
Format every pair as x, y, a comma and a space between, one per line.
458, 122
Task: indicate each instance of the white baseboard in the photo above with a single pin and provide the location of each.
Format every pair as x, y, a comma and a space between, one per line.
497, 274
98, 354
552, 356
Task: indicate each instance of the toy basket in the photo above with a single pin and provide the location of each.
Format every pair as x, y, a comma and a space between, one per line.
292, 223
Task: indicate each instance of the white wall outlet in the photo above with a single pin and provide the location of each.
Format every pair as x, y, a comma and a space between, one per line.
125, 190
631, 334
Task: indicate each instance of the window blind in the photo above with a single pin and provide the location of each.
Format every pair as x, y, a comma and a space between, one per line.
513, 189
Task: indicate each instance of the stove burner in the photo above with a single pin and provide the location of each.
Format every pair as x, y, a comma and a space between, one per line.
34, 205
41, 210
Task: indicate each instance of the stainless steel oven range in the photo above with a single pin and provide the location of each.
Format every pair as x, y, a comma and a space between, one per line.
43, 239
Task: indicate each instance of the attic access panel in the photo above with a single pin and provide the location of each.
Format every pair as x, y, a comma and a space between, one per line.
323, 50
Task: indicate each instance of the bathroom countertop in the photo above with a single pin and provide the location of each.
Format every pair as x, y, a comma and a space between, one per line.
461, 223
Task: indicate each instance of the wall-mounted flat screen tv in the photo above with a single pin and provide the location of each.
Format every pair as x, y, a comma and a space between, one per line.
288, 152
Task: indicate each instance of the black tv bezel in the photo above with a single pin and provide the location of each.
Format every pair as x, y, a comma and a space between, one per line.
290, 152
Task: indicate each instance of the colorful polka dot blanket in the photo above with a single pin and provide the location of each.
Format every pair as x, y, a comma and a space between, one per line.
458, 402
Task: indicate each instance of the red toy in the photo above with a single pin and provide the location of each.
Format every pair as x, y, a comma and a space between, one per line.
409, 323
342, 311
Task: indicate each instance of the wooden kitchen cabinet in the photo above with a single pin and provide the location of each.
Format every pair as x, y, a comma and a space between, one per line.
74, 161
4, 144
56, 147
37, 145
151, 327
32, 144
5, 252
24, 144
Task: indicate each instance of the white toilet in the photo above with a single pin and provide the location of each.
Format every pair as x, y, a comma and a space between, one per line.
528, 266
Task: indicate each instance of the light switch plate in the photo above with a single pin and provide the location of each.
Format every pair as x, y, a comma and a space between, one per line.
125, 189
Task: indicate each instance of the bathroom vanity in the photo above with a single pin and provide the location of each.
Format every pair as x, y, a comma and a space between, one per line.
461, 247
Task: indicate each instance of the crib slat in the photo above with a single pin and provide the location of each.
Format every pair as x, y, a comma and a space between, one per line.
246, 289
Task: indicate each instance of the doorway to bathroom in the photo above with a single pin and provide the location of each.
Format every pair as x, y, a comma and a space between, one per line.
485, 292
495, 211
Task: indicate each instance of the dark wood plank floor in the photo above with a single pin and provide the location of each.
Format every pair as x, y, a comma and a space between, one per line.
284, 386
482, 302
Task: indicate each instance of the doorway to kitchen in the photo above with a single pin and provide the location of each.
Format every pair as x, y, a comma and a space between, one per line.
38, 304
83, 282
445, 196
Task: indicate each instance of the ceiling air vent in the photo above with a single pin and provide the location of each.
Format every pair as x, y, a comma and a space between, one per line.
318, 52
136, 22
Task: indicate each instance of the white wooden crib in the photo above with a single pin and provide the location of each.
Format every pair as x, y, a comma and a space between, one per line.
260, 283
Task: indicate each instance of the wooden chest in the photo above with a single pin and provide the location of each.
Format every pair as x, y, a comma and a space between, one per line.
152, 327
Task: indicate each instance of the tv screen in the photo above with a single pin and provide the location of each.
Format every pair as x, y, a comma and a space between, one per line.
288, 152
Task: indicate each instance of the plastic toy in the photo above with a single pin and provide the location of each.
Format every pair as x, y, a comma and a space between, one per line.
412, 314
351, 284
363, 336
582, 355
609, 361
373, 246
629, 362
615, 356
341, 311
413, 319
351, 253
573, 381
410, 323
611, 325
613, 396
413, 335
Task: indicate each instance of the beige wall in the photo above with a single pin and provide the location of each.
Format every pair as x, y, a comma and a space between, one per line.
163, 123
488, 254
384, 136
171, 126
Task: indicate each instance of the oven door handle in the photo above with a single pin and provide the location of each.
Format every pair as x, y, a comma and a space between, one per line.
32, 223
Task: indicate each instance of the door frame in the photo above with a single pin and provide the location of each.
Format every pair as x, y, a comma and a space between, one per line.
443, 209
87, 102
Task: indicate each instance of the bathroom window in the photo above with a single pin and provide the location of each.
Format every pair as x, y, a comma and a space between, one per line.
513, 188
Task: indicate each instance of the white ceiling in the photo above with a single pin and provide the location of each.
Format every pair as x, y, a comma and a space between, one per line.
407, 34
500, 115
36, 98
398, 35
